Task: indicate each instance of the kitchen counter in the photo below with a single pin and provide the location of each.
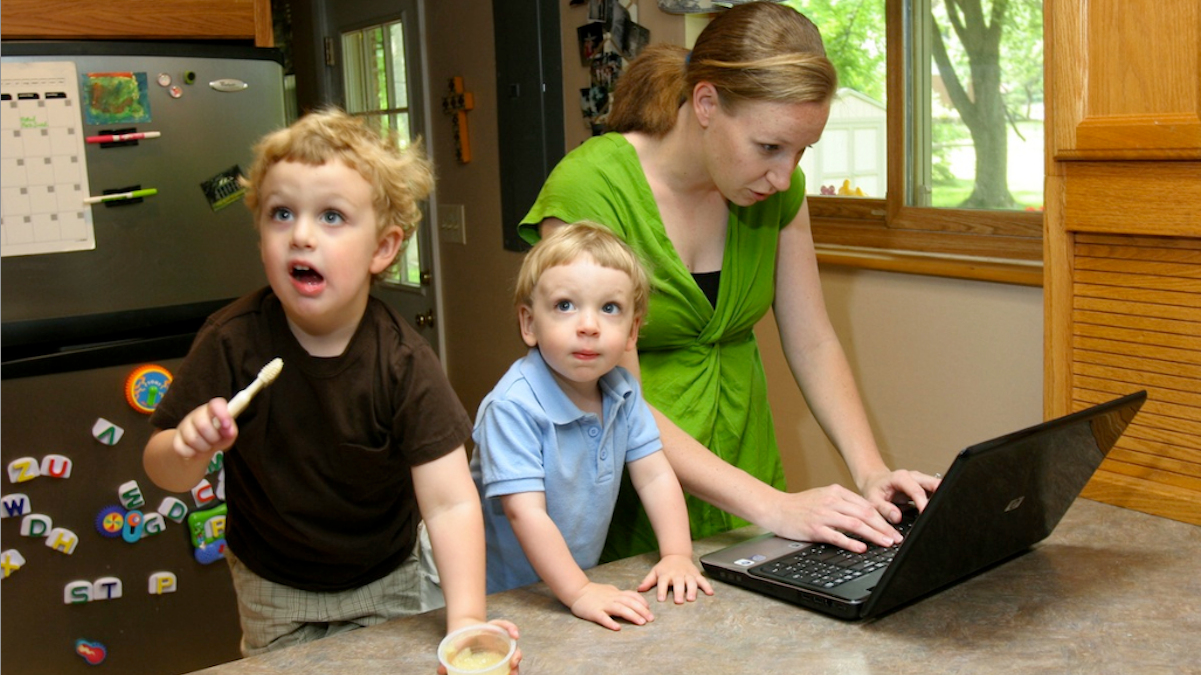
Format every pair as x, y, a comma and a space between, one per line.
1110, 591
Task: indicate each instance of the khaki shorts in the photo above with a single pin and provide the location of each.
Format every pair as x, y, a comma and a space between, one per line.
274, 615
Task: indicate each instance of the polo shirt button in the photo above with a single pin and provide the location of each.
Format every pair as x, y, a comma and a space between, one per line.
593, 432
604, 455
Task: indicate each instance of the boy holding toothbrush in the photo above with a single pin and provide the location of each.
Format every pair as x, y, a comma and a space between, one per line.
332, 469
555, 434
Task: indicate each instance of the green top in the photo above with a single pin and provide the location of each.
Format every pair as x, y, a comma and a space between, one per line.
700, 364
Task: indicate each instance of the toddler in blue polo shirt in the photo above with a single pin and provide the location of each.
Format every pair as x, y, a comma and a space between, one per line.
553, 436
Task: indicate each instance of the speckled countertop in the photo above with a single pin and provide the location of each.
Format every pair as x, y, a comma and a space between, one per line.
1110, 591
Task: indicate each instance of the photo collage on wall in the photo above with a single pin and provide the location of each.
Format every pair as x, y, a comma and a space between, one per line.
610, 37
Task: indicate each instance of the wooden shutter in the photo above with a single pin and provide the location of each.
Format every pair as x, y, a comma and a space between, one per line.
1136, 324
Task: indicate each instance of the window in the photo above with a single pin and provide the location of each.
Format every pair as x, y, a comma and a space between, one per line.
935, 143
375, 77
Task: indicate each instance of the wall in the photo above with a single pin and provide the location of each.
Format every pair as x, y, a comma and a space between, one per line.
477, 278
941, 363
664, 27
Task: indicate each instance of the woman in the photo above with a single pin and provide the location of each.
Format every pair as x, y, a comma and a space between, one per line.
700, 176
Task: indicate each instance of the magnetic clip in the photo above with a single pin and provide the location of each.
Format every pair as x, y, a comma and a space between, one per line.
126, 201
118, 132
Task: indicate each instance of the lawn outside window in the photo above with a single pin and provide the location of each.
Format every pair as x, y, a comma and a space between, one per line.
933, 159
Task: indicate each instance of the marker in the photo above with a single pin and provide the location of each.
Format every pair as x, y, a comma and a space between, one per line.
116, 197
118, 138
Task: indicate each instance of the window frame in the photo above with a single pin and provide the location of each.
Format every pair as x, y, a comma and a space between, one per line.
887, 234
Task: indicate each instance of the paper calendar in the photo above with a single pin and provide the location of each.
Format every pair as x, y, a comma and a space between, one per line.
44, 173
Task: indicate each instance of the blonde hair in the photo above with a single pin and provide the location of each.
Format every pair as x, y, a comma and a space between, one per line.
566, 243
759, 51
399, 177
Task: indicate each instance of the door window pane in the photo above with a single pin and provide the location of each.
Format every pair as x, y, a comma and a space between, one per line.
376, 81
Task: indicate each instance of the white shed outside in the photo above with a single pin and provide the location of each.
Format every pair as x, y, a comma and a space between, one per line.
853, 148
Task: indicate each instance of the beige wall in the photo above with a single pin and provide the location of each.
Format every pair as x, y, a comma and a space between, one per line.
941, 363
477, 315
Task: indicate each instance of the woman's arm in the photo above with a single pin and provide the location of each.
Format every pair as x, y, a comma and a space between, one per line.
821, 514
820, 367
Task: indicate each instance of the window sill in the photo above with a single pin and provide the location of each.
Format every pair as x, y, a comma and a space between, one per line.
997, 270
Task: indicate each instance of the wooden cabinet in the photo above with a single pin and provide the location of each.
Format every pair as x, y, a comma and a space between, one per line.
1123, 80
1122, 249
139, 20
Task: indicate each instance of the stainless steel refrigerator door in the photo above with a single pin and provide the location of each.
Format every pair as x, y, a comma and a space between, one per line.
172, 248
144, 634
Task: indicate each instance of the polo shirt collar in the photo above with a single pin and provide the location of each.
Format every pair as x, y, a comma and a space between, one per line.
559, 409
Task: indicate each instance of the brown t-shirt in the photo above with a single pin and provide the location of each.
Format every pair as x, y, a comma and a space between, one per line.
318, 483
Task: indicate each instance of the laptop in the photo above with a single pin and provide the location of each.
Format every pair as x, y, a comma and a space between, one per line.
997, 500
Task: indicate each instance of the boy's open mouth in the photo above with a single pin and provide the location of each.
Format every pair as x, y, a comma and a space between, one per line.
306, 276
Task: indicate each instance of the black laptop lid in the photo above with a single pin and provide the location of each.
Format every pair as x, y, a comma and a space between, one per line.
1001, 497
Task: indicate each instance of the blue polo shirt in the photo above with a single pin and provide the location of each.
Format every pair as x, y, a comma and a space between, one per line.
529, 437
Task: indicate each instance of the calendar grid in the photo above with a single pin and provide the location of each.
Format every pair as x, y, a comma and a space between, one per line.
43, 169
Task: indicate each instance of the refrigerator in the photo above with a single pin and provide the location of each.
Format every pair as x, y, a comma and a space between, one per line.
123, 229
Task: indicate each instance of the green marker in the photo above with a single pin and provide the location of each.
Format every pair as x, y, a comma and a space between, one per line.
135, 194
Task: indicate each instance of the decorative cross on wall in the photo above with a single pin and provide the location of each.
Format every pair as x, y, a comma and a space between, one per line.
456, 104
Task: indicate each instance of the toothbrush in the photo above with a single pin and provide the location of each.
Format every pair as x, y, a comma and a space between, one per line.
242, 399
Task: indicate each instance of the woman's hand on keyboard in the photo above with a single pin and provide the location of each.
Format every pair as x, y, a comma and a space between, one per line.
828, 515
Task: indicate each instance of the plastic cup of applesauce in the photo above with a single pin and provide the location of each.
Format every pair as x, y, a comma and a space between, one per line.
483, 649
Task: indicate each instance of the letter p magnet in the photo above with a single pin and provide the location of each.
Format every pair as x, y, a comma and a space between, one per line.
162, 582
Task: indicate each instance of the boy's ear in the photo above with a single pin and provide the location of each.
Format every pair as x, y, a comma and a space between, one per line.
389, 245
632, 342
525, 321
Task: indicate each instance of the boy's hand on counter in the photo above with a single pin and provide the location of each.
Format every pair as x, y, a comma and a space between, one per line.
678, 573
601, 602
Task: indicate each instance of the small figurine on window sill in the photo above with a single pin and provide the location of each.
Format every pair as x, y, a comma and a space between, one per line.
847, 191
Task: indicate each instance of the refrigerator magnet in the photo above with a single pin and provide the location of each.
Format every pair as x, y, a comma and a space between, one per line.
36, 525
24, 469
11, 561
110, 521
62, 540
203, 493
146, 386
56, 466
92, 652
15, 504
162, 582
131, 495
173, 508
106, 432
134, 527
152, 524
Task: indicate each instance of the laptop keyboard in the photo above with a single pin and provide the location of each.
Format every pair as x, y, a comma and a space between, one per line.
826, 565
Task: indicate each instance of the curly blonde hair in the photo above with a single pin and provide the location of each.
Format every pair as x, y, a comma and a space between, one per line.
400, 177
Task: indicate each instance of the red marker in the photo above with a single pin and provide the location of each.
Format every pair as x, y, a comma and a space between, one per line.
117, 138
